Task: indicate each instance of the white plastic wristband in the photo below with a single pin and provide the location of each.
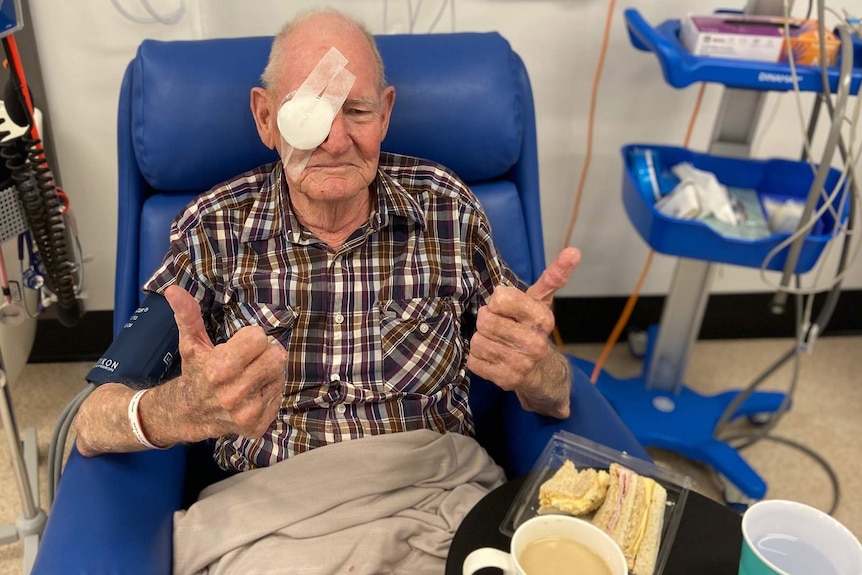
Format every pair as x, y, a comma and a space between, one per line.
135, 420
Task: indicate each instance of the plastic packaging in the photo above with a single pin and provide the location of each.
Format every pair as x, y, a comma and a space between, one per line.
584, 454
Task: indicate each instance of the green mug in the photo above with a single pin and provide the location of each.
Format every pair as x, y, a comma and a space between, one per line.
789, 538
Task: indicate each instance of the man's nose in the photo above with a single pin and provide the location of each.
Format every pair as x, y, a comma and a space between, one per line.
338, 139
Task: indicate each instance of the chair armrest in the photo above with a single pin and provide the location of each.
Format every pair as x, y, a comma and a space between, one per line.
114, 514
592, 416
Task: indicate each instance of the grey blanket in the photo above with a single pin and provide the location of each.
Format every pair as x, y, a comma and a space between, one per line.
383, 504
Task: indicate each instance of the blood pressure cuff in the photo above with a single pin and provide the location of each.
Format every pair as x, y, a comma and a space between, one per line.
146, 351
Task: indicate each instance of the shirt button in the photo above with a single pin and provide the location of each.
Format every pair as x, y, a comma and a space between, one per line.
339, 318
334, 377
340, 409
423, 327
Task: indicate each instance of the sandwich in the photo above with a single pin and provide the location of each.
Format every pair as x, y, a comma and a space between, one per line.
633, 515
573, 492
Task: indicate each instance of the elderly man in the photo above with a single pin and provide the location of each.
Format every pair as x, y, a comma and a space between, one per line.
321, 298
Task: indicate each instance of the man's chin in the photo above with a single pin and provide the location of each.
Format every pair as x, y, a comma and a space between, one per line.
337, 188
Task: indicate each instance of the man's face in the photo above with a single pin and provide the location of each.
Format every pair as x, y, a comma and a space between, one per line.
345, 164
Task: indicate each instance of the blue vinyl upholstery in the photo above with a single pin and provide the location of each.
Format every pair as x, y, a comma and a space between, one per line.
184, 125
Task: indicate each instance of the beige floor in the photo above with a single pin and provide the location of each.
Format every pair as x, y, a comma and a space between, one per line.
825, 417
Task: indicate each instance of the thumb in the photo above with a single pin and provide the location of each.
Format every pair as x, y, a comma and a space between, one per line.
555, 276
187, 314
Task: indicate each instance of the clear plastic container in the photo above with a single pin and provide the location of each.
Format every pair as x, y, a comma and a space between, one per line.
585, 454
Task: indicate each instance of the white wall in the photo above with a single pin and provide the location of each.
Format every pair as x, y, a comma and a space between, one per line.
85, 45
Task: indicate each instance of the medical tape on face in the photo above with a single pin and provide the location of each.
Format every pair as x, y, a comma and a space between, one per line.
305, 118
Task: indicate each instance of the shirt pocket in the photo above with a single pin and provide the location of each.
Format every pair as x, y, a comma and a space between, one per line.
421, 345
277, 321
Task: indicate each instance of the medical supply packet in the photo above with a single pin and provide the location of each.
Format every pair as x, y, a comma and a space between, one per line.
755, 37
751, 217
584, 453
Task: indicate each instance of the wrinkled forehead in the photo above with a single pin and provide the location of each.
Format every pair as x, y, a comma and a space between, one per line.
304, 52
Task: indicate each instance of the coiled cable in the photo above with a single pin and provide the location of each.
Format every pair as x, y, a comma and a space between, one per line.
43, 212
42, 207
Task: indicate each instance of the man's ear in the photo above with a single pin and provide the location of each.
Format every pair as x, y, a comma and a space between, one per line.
387, 101
264, 117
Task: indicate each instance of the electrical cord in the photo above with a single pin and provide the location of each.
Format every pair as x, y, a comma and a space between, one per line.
803, 330
591, 119
730, 411
57, 447
632, 300
413, 14
845, 78
155, 17
807, 332
766, 126
440, 11
855, 200
37, 192
764, 433
803, 231
848, 174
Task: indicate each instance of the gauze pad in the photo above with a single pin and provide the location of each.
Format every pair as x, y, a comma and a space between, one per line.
305, 119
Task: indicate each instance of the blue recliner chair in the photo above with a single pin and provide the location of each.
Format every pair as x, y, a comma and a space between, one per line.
463, 100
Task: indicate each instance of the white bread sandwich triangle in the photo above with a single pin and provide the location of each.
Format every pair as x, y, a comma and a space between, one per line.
573, 492
633, 514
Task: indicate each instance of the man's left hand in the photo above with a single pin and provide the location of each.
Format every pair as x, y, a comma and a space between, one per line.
511, 345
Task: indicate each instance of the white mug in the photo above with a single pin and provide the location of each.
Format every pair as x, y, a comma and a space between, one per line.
544, 526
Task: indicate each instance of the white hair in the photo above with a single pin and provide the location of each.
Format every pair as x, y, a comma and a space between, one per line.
347, 24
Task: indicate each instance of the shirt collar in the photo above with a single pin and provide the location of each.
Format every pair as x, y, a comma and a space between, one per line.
271, 212
394, 200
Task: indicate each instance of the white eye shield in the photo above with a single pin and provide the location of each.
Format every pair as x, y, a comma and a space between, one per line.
305, 117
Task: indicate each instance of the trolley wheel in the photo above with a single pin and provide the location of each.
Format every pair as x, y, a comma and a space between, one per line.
637, 341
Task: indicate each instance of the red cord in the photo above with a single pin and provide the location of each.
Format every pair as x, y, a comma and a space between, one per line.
18, 70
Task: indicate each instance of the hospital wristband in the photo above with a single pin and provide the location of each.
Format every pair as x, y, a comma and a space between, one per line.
135, 420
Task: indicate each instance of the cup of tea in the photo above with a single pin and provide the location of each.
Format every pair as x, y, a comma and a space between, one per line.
789, 538
552, 544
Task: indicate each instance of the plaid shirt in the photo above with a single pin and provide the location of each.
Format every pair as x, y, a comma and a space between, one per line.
372, 330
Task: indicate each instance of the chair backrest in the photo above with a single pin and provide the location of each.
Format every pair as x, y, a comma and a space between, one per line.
184, 125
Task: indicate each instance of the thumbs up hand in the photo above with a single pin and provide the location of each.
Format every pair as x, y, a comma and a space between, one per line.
511, 345
234, 387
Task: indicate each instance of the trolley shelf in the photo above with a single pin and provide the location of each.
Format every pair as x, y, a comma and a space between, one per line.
777, 179
681, 68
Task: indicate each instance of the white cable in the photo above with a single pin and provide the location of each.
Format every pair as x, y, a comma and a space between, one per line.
385, 16
796, 91
850, 167
411, 15
767, 125
798, 96
452, 14
836, 231
443, 4
828, 199
155, 17
168, 20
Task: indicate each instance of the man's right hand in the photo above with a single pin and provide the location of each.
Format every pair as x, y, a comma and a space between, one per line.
234, 387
